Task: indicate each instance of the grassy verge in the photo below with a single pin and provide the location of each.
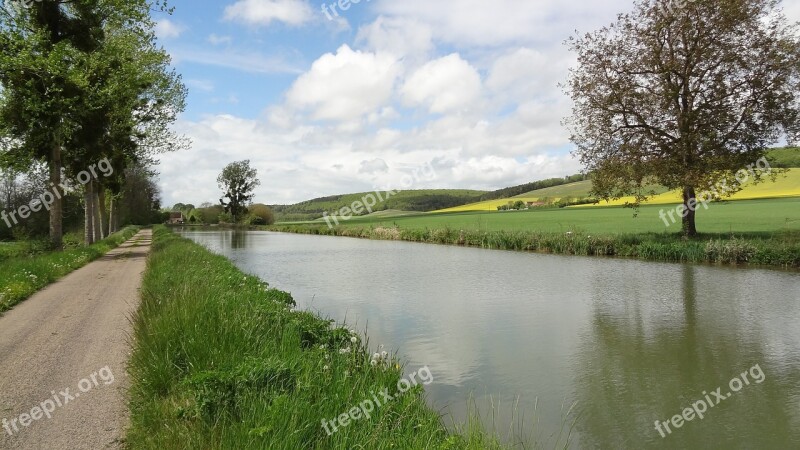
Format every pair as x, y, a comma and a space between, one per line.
23, 272
780, 248
222, 361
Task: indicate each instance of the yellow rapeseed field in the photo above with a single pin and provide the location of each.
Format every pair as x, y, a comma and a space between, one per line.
787, 185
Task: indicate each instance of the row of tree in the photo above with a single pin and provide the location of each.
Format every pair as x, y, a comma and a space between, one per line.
139, 202
84, 81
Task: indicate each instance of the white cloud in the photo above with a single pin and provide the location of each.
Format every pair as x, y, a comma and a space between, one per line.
304, 162
400, 37
528, 72
167, 29
481, 23
448, 84
346, 85
265, 12
215, 39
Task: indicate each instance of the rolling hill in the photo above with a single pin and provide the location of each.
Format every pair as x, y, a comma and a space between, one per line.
549, 190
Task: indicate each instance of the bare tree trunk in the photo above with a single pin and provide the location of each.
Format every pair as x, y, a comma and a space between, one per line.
117, 212
88, 216
57, 208
111, 215
101, 200
98, 222
689, 211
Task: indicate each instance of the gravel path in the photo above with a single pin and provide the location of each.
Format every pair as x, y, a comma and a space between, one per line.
63, 355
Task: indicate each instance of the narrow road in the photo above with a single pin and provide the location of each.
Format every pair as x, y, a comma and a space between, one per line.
63, 355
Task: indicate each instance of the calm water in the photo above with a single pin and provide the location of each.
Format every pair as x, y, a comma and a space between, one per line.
631, 342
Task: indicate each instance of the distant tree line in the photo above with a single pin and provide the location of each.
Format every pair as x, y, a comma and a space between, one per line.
528, 187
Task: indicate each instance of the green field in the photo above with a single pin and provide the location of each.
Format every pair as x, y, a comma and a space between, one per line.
746, 216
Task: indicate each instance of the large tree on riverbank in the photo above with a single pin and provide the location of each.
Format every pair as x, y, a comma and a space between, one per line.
684, 95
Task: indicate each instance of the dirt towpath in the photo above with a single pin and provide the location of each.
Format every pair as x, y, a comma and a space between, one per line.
63, 354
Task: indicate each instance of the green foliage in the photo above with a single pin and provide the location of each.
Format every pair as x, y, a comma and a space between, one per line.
225, 217
786, 158
209, 215
30, 267
237, 182
260, 214
224, 362
416, 200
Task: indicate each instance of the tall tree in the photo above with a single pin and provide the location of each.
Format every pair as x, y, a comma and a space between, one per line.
684, 95
83, 80
237, 181
140, 198
40, 48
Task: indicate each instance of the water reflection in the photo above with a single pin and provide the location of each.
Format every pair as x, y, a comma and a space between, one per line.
632, 342
643, 361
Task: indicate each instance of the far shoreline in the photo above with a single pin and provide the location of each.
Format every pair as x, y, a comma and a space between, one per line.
780, 251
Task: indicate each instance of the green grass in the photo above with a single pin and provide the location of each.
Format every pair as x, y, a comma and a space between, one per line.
26, 267
756, 232
746, 216
221, 360
16, 249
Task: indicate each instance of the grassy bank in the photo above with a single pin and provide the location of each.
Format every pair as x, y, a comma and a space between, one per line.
780, 248
25, 267
222, 361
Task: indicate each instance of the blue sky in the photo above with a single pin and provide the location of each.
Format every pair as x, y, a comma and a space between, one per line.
324, 107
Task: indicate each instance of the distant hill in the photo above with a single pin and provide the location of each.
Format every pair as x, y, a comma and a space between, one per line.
528, 187
412, 200
573, 186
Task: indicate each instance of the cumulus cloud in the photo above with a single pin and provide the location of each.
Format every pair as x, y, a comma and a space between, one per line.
400, 37
346, 85
265, 12
443, 85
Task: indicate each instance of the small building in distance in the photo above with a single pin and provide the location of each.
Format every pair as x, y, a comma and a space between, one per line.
176, 218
